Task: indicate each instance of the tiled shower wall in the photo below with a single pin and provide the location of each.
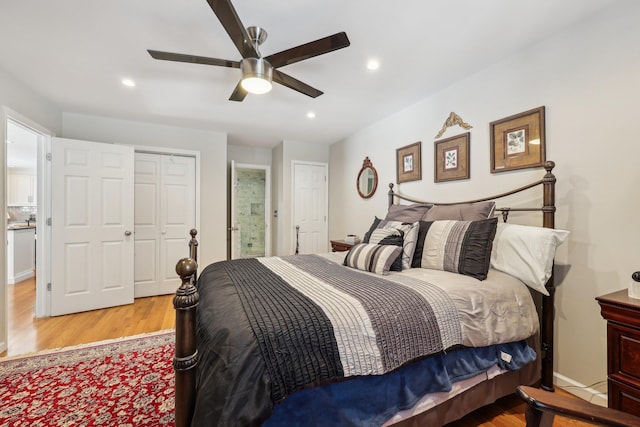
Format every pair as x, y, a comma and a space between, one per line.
250, 208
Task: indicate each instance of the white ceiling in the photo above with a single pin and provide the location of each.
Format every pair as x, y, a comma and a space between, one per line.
75, 53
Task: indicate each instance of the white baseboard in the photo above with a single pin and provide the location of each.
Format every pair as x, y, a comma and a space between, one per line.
19, 277
581, 390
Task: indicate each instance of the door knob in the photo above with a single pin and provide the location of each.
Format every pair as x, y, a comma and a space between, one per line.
127, 233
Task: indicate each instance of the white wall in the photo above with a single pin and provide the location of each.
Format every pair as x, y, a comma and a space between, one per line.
250, 155
587, 77
283, 156
213, 162
17, 98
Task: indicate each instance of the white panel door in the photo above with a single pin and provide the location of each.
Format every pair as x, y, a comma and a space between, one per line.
165, 201
310, 207
92, 224
147, 224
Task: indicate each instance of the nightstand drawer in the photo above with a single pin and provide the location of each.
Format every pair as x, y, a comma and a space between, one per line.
624, 363
624, 398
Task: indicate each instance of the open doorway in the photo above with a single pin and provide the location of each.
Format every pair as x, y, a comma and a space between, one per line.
250, 206
26, 198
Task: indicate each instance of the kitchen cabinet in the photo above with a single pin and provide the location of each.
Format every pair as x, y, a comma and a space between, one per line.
21, 189
21, 254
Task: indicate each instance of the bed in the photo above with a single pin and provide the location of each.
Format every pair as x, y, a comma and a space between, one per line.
398, 331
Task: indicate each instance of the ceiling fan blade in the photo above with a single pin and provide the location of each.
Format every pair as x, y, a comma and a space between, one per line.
180, 57
229, 19
238, 93
297, 85
309, 50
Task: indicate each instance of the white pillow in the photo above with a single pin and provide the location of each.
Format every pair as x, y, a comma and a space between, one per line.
526, 252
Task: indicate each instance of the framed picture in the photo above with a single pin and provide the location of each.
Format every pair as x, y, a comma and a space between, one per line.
451, 158
517, 142
409, 163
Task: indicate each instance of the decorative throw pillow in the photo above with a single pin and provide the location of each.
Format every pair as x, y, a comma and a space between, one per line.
407, 213
527, 252
374, 225
461, 212
370, 257
410, 232
462, 247
389, 236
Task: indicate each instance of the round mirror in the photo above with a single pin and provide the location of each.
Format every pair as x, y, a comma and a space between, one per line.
367, 180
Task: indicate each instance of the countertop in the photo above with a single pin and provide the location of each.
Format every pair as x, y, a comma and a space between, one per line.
20, 226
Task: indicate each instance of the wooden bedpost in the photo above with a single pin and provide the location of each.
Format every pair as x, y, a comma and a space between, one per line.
186, 357
548, 302
193, 250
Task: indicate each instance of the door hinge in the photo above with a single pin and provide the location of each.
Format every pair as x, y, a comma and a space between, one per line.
48, 221
49, 156
49, 286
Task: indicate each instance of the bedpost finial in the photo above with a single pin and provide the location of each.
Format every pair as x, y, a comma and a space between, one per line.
186, 267
193, 233
391, 186
549, 165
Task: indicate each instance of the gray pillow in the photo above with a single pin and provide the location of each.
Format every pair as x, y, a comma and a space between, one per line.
461, 212
407, 213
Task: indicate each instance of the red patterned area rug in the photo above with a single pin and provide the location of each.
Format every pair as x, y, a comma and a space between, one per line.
124, 382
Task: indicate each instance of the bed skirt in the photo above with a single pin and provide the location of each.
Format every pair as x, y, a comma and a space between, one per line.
482, 394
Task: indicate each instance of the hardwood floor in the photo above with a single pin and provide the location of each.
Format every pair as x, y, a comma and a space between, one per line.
27, 334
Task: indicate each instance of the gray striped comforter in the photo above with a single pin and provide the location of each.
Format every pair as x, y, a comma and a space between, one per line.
268, 327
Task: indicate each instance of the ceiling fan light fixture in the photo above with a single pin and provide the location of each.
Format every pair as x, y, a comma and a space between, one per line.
256, 75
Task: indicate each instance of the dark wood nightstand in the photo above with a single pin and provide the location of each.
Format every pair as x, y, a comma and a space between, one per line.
623, 350
340, 246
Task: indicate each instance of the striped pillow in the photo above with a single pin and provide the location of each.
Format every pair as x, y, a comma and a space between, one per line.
389, 236
371, 257
462, 247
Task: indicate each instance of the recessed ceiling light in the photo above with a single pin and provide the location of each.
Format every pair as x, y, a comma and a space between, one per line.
128, 82
311, 115
373, 65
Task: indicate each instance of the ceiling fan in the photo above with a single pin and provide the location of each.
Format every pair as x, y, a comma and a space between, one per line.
258, 72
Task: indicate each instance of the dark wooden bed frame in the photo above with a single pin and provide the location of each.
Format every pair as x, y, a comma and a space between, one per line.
186, 300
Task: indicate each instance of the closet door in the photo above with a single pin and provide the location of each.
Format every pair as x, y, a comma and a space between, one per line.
164, 214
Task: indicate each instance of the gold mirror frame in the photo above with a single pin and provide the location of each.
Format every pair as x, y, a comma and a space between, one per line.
367, 180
